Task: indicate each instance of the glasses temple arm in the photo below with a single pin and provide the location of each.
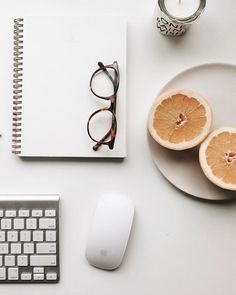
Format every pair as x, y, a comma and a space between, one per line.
98, 144
102, 67
111, 132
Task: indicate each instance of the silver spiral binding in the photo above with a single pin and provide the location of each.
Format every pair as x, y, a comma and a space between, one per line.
17, 85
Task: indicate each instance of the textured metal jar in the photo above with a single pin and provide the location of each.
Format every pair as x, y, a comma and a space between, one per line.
173, 26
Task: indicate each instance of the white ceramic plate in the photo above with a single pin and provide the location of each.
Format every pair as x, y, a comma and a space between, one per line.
216, 82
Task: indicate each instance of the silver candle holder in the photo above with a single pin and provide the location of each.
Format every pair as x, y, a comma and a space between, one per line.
171, 25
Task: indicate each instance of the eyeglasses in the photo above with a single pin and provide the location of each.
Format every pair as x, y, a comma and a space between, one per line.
104, 84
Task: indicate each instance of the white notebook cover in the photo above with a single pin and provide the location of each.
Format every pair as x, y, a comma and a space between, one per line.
59, 56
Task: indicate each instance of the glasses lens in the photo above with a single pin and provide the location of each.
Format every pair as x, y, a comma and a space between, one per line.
103, 82
100, 124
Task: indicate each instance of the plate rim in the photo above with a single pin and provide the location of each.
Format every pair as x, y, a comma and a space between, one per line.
185, 70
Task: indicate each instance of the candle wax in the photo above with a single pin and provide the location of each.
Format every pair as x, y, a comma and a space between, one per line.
182, 8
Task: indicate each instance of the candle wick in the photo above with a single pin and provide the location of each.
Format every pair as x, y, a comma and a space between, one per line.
179, 1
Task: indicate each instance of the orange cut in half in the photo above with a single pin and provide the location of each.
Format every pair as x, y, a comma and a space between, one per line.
180, 119
217, 155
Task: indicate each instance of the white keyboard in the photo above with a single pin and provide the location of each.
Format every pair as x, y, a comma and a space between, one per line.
29, 239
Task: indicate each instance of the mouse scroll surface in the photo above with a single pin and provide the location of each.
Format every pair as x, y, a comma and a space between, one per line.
109, 231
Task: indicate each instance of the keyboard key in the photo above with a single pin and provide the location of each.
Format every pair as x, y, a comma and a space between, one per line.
38, 277
51, 236
15, 248
2, 236
10, 213
37, 213
51, 276
5, 223
44, 248
47, 223
22, 260
13, 273
1, 213
25, 236
9, 260
50, 213
24, 213
26, 276
43, 260
31, 223
2, 273
18, 223
0, 260
12, 236
38, 236
38, 269
28, 248
4, 248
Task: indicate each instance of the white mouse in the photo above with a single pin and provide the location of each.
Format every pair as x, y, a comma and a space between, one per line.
109, 231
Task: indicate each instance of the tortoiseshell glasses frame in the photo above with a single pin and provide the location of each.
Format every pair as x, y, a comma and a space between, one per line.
111, 134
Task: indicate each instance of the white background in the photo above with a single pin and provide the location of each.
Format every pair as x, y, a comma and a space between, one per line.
179, 245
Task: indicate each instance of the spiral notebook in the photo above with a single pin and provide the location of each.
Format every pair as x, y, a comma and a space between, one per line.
54, 58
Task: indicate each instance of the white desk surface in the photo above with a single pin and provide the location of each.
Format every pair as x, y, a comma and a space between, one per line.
179, 245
